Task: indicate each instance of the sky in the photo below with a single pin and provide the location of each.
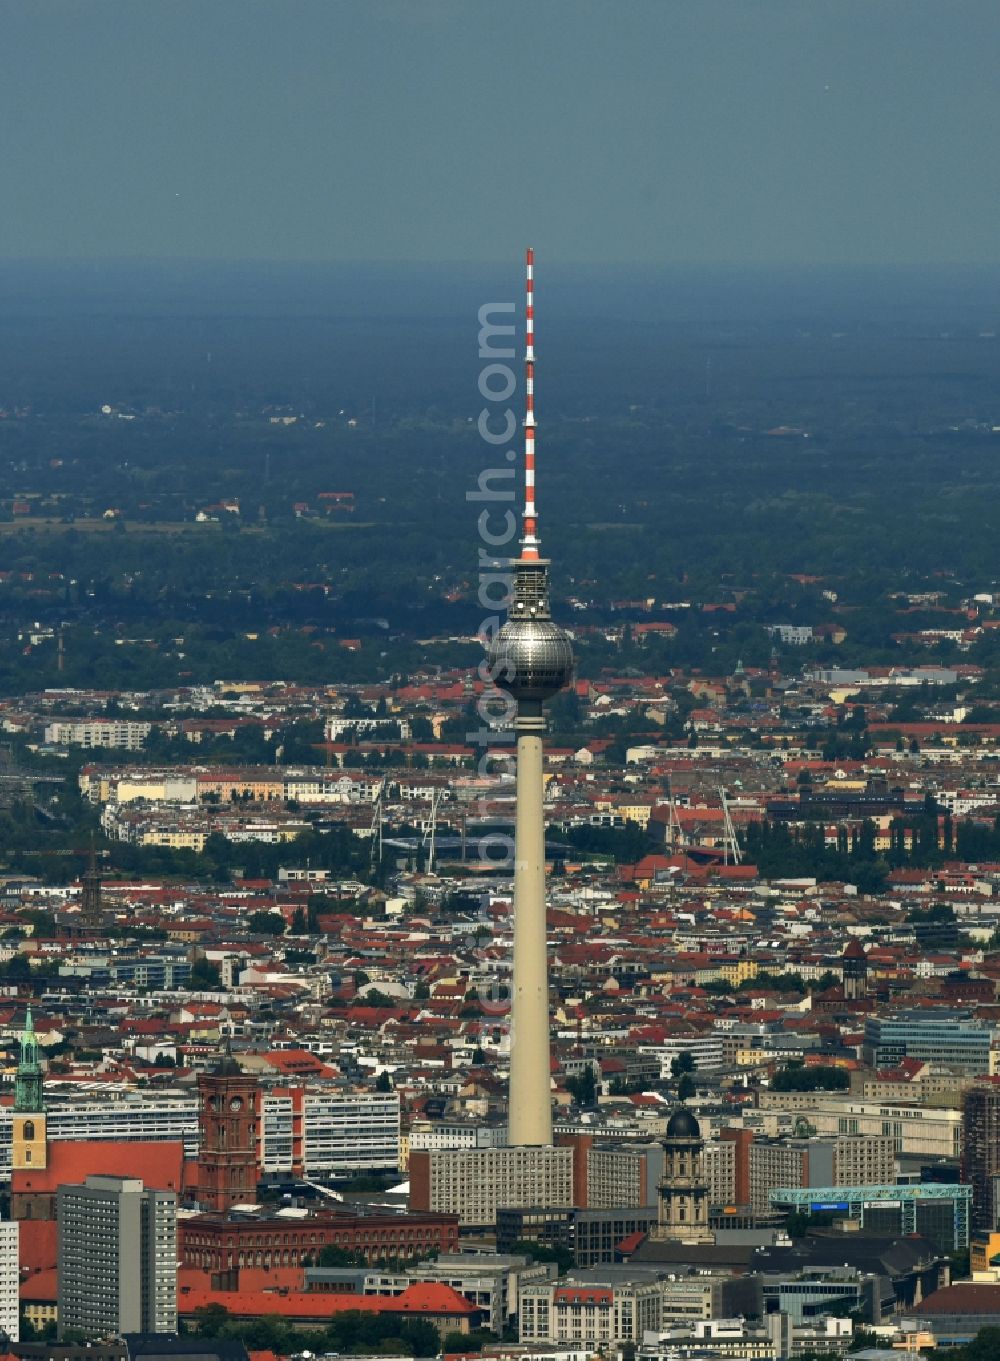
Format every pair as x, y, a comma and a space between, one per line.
651, 132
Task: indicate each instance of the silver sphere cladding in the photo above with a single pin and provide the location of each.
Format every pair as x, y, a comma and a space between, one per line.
531, 658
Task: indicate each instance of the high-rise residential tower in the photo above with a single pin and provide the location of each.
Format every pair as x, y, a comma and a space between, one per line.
531, 658
117, 1258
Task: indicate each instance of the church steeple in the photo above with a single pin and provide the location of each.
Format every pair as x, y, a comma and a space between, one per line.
683, 1189
28, 1083
30, 1149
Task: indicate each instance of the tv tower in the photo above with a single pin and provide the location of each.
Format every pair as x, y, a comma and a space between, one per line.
531, 658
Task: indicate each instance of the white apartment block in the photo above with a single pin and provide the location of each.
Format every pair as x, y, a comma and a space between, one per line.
342, 1132
600, 1315
865, 1160
923, 1130
719, 1169
323, 786
10, 1279
840, 1160
370, 729
132, 1119
475, 1183
706, 1050
126, 734
117, 1258
455, 1134
326, 1134
623, 1177
492, 1283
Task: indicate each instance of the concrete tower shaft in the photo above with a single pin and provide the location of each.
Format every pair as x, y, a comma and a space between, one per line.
531, 658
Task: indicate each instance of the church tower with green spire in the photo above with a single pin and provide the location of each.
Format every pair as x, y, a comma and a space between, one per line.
28, 1084
30, 1144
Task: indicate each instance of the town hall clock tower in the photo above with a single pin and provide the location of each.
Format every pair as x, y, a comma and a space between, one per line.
227, 1119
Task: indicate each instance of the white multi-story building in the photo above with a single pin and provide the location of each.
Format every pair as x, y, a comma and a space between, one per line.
325, 786
795, 634
367, 728
323, 1133
719, 1167
117, 1258
490, 1281
474, 1183
923, 1130
706, 1050
601, 1314
131, 1119
314, 1133
613, 1311
456, 1134
623, 1175
10, 1279
126, 734
841, 1160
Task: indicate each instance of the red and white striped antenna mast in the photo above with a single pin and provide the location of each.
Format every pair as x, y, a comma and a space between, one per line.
529, 544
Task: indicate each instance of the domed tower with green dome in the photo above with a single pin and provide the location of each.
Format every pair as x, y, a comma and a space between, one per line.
683, 1190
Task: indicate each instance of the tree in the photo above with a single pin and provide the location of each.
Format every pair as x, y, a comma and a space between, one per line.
333, 1256
210, 1320
685, 1087
797, 1224
682, 1063
985, 1346
544, 1252
266, 924
960, 1264
583, 1087
473, 1341
383, 1083
43, 924
204, 975
374, 998
796, 1077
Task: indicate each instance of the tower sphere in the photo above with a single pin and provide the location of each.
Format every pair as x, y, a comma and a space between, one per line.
531, 659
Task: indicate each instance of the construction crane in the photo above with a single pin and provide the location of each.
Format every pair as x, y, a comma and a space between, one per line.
675, 837
730, 844
376, 831
430, 832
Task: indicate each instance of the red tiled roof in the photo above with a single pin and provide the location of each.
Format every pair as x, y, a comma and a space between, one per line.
569, 1294
423, 1297
38, 1245
41, 1287
963, 1298
70, 1161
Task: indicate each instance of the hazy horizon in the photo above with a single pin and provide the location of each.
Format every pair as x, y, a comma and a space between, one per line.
657, 133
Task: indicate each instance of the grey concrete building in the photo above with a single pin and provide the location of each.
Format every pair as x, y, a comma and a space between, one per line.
117, 1258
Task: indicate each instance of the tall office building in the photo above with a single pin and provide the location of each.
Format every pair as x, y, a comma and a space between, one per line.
981, 1152
531, 658
117, 1258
